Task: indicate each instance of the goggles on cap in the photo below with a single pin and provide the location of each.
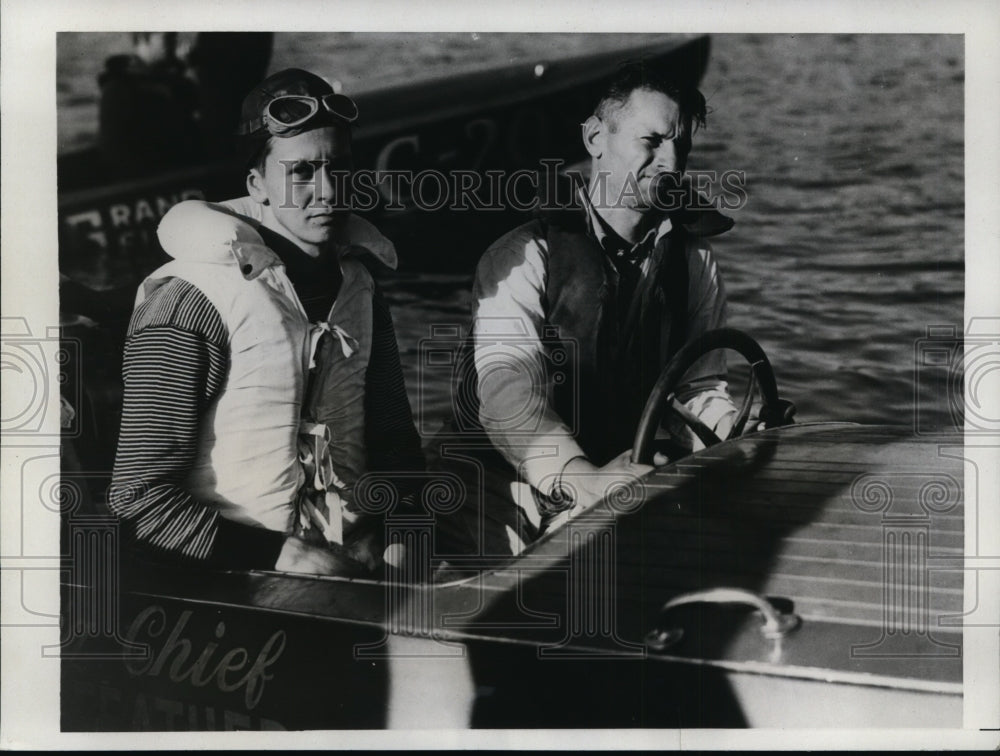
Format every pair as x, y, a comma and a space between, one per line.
288, 112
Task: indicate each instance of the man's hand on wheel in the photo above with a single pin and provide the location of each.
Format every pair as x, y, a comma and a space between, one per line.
587, 483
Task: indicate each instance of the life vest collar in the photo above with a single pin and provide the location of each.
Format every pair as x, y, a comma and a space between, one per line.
198, 231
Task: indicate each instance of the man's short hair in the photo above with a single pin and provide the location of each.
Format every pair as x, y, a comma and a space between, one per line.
641, 74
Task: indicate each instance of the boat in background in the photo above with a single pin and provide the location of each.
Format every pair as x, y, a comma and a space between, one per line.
499, 119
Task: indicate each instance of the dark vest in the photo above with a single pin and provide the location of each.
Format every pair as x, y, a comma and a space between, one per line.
613, 364
601, 371
599, 380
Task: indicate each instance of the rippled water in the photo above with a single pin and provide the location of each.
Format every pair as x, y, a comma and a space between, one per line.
850, 244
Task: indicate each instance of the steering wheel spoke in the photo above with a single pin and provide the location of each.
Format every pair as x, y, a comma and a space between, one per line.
692, 421
744, 414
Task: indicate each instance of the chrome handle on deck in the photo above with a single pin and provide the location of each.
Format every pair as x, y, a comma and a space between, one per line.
776, 624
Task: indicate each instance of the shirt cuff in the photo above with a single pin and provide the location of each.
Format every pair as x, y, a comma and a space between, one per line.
711, 407
711, 404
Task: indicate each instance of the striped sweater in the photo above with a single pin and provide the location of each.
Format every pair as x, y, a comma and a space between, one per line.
176, 358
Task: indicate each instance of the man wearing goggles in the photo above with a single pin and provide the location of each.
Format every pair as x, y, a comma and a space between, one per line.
296, 133
262, 375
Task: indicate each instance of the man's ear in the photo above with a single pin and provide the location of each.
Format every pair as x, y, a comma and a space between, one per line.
255, 187
594, 132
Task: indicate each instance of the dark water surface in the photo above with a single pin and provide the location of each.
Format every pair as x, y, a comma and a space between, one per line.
850, 244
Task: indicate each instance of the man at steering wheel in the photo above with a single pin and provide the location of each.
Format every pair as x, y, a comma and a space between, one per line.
576, 313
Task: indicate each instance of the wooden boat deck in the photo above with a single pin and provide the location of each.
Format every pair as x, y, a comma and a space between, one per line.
858, 529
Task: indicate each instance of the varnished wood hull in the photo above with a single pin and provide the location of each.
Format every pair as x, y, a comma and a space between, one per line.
857, 530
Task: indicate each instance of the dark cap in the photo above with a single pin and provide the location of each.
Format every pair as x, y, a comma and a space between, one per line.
253, 133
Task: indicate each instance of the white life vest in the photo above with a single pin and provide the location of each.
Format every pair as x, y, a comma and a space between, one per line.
246, 460
254, 295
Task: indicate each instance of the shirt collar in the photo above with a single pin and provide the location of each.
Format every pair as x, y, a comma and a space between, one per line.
610, 242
